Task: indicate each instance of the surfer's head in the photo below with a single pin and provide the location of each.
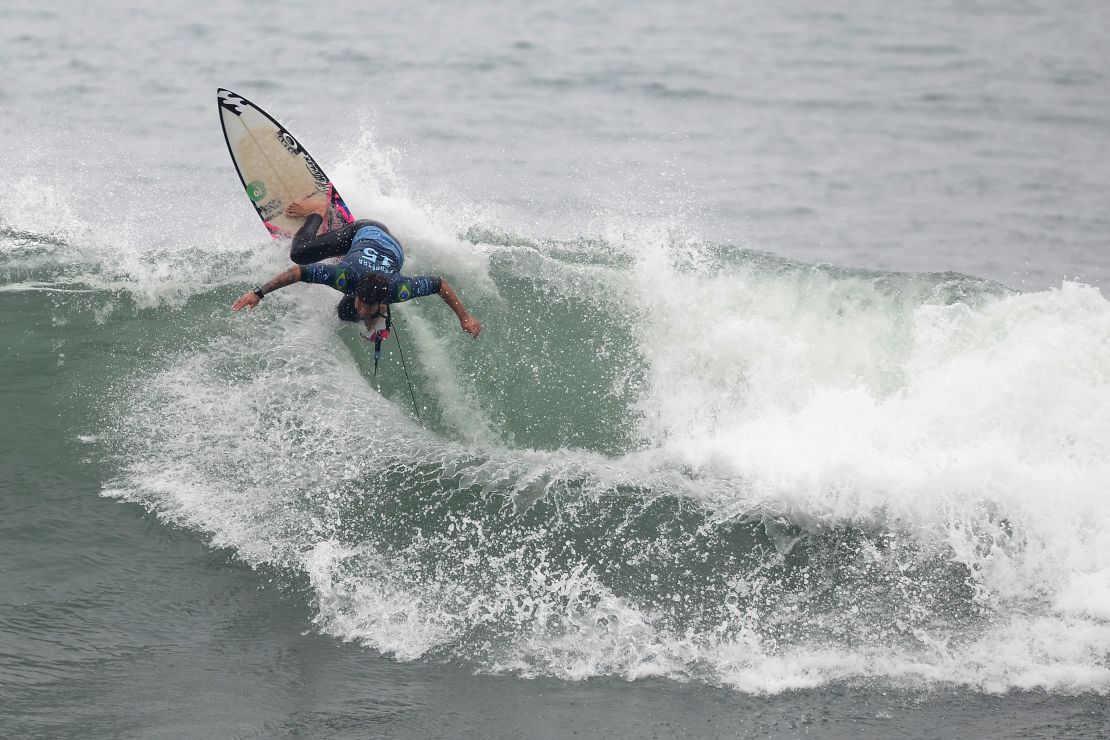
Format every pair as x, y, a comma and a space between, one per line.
372, 289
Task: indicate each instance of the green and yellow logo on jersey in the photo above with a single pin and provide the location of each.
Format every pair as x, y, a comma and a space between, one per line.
404, 292
341, 278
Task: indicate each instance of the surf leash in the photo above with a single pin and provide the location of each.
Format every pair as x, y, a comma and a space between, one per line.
404, 367
377, 338
377, 356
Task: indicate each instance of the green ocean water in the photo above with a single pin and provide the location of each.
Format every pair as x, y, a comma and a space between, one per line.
254, 559
788, 416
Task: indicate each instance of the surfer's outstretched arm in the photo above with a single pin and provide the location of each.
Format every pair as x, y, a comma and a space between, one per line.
251, 298
469, 324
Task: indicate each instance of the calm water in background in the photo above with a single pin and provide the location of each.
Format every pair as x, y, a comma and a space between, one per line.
788, 499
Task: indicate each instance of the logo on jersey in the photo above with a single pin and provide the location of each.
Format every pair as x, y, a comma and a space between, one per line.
256, 190
375, 260
341, 278
404, 292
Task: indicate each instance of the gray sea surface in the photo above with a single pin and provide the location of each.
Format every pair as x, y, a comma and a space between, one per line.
789, 417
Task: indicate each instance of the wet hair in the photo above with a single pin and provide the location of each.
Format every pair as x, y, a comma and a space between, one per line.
372, 288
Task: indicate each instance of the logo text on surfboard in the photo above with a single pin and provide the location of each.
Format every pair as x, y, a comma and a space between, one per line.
231, 102
288, 141
269, 209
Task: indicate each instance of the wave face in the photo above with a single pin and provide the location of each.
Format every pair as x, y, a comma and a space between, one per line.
664, 457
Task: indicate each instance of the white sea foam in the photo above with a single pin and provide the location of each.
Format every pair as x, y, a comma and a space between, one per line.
842, 400
967, 419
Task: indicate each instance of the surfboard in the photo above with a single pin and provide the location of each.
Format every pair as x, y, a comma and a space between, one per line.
274, 168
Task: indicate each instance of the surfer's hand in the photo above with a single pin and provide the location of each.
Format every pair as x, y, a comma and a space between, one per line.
249, 300
470, 325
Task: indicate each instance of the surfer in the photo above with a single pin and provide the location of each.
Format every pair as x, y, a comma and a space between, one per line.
369, 273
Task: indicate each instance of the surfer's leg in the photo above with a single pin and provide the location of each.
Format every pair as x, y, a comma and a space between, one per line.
308, 248
346, 309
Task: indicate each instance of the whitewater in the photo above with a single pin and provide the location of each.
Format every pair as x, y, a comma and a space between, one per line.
663, 457
791, 402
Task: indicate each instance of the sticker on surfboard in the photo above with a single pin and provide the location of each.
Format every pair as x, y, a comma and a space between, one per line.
274, 168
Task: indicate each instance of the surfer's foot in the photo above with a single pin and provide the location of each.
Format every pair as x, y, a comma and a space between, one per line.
306, 206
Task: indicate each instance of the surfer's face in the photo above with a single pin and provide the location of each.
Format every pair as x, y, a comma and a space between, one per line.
371, 290
364, 310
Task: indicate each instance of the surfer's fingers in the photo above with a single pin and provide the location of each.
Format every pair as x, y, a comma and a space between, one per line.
244, 300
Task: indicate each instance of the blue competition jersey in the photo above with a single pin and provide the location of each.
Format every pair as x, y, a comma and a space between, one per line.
372, 250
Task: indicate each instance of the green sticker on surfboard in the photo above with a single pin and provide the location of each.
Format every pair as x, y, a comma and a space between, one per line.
256, 190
